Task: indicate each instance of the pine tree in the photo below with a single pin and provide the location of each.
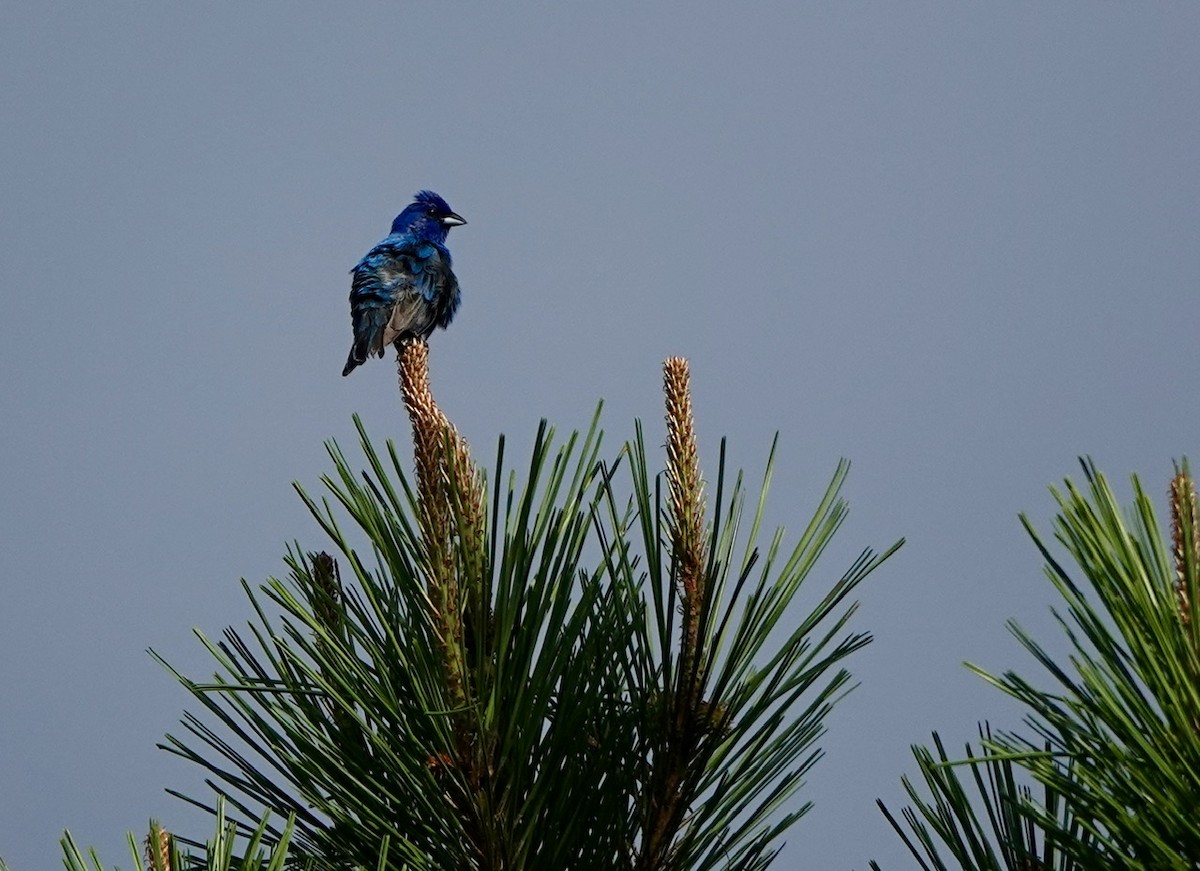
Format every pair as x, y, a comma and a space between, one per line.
595, 666
1113, 747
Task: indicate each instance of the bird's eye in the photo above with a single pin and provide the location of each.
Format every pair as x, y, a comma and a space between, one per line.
432, 211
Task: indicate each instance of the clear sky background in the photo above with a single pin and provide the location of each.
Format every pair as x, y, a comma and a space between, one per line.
956, 243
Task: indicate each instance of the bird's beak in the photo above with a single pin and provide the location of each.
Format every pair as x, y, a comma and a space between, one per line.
452, 220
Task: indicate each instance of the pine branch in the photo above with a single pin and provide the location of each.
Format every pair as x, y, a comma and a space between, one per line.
487, 697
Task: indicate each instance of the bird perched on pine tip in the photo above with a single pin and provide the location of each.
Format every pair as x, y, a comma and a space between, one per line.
404, 287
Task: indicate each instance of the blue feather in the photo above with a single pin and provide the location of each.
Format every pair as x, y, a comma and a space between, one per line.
404, 287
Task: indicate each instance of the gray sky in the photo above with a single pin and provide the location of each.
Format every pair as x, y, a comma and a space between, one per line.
956, 243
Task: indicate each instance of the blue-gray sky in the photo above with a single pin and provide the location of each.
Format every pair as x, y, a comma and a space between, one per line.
954, 242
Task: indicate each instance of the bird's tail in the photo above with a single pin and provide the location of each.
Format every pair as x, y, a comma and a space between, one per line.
352, 362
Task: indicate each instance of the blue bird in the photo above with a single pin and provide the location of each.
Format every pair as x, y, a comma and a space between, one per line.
404, 287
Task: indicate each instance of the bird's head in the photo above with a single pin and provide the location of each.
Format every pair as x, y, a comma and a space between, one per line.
428, 216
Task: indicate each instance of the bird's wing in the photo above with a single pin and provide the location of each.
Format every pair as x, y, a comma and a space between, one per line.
391, 293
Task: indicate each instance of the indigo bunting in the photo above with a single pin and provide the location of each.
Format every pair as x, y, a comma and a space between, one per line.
404, 287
